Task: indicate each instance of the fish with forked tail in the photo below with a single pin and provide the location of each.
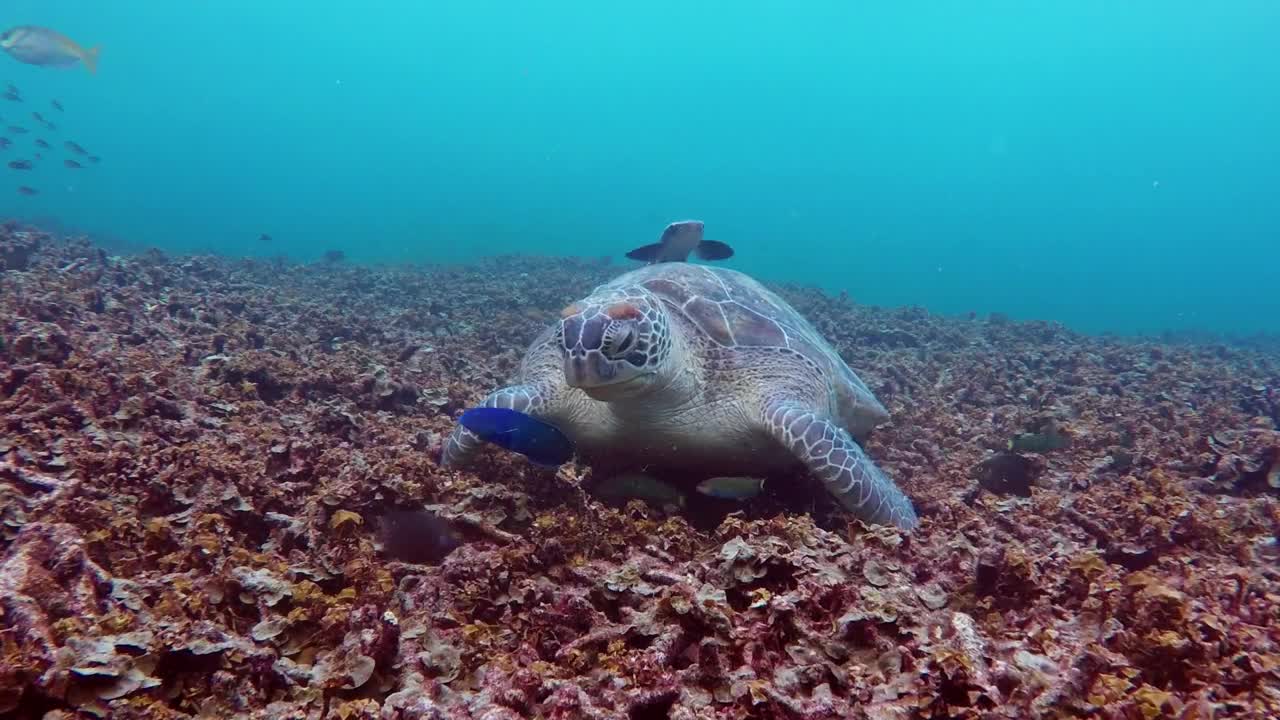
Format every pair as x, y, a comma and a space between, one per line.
41, 46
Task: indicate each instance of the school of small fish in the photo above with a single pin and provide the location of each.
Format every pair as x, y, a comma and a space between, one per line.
43, 46
79, 159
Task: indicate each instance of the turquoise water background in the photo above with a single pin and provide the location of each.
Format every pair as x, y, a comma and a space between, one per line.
1113, 166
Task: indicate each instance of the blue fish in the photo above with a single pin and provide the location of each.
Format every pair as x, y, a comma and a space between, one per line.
539, 441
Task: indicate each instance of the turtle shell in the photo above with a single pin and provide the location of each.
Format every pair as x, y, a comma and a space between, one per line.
733, 310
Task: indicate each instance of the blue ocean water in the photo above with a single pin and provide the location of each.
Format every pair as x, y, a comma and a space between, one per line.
1113, 166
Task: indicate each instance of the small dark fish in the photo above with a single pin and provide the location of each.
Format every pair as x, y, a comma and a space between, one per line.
618, 490
42, 144
1007, 473
72, 163
56, 105
732, 488
264, 238
539, 441
5, 142
1040, 442
416, 536
39, 118
24, 190
75, 148
13, 95
334, 256
20, 164
13, 89
16, 130
39, 156
677, 241
95, 159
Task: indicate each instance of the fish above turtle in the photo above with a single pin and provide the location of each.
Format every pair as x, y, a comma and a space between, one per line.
699, 369
680, 239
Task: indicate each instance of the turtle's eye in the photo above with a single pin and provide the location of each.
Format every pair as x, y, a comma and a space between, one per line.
622, 341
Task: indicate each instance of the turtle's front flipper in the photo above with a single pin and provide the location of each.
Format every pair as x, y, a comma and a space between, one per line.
463, 444
833, 456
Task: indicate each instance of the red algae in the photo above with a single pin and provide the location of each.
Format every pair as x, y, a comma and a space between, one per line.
199, 457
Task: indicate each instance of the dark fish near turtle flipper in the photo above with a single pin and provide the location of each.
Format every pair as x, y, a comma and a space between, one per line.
539, 441
619, 489
732, 487
677, 241
417, 536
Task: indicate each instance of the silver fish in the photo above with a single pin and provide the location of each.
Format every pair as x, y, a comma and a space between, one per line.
677, 241
41, 46
732, 488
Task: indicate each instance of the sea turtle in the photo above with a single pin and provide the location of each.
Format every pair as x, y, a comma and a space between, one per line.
701, 369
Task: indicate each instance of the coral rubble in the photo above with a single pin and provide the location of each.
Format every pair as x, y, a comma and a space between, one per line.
219, 497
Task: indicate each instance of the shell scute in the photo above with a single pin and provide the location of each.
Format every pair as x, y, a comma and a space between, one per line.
673, 291
710, 318
750, 328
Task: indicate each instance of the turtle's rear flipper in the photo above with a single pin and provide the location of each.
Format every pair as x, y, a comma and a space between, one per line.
713, 250
647, 253
850, 476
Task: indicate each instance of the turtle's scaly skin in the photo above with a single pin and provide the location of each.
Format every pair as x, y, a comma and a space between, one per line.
701, 369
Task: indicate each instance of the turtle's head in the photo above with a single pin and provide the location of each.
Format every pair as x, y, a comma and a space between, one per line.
614, 345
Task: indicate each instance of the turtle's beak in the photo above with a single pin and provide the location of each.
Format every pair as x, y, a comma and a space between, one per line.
588, 370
